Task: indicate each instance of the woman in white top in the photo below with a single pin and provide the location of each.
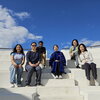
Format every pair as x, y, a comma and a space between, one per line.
86, 62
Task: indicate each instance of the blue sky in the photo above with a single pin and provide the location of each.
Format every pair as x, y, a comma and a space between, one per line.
53, 21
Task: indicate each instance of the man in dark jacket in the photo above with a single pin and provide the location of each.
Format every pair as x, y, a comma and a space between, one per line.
33, 61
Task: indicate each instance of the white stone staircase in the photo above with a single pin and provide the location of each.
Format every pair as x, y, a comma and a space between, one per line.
73, 86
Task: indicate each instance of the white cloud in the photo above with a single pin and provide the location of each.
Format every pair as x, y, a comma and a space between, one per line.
89, 42
96, 43
10, 32
31, 36
22, 15
66, 44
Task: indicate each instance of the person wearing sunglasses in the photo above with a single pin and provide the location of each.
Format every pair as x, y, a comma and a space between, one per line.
33, 60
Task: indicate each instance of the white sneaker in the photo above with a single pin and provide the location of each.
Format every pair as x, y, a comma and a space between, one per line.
12, 85
96, 83
53, 75
56, 77
60, 76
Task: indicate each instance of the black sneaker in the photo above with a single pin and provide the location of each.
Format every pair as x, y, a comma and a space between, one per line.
39, 84
27, 85
77, 67
35, 84
65, 72
19, 85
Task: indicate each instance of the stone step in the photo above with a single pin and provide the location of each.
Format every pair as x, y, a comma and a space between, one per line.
47, 79
5, 63
58, 91
4, 52
5, 58
90, 92
58, 82
14, 96
46, 93
71, 97
80, 78
17, 93
49, 76
48, 70
78, 75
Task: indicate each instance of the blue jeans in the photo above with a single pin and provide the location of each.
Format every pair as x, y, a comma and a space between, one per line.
15, 72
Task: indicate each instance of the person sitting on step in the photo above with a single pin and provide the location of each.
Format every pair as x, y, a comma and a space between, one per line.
74, 52
33, 61
57, 62
86, 62
42, 51
16, 68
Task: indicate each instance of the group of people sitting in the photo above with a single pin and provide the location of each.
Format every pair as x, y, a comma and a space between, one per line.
83, 58
36, 60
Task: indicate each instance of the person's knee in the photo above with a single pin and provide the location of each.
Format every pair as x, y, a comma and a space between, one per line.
38, 68
93, 64
21, 69
87, 65
12, 68
28, 67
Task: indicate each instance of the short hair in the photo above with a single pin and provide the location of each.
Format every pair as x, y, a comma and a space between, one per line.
56, 46
34, 42
40, 42
76, 41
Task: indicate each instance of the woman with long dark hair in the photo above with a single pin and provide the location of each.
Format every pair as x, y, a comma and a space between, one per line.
86, 62
16, 68
74, 52
57, 62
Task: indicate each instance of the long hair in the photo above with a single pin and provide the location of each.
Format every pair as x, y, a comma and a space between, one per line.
76, 42
79, 51
15, 51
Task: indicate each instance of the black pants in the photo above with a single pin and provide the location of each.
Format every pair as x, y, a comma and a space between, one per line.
58, 70
89, 67
30, 71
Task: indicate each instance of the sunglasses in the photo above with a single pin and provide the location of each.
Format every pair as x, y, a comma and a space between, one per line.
33, 45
